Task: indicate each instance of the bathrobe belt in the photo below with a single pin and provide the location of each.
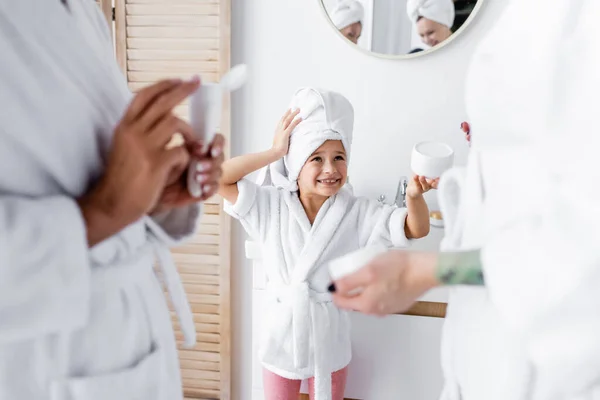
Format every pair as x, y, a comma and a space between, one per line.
303, 301
134, 266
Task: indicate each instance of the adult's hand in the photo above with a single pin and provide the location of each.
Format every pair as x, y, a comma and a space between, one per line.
389, 284
139, 164
208, 174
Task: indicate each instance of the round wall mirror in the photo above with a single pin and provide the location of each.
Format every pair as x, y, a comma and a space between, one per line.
400, 28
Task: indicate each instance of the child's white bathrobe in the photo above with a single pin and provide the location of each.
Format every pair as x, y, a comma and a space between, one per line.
306, 334
75, 324
529, 199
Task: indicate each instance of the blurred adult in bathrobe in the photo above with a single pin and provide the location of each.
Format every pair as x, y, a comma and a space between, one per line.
88, 194
433, 19
523, 217
347, 16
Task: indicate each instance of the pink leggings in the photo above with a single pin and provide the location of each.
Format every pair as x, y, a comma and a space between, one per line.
278, 388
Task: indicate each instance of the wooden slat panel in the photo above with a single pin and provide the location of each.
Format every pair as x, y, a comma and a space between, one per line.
212, 209
189, 44
194, 268
200, 375
199, 249
203, 299
203, 338
207, 318
200, 365
205, 309
203, 394
201, 346
137, 86
209, 229
214, 200
172, 55
205, 239
152, 76
172, 8
211, 21
195, 383
202, 318
162, 2
201, 327
195, 288
195, 355
197, 259
172, 32
211, 219
121, 34
162, 39
191, 67
200, 279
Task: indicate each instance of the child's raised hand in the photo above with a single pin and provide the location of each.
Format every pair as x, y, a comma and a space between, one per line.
286, 125
419, 185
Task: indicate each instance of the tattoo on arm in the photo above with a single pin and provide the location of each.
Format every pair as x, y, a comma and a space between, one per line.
460, 268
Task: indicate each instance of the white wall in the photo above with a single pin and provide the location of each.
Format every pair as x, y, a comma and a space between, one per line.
288, 44
365, 40
392, 29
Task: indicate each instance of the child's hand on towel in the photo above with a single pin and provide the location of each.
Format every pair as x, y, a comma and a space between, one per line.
419, 185
285, 127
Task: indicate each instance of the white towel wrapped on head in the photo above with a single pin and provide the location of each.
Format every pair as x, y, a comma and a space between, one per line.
325, 116
440, 11
346, 13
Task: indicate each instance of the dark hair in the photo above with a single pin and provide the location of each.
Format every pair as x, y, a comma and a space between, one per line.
420, 18
417, 50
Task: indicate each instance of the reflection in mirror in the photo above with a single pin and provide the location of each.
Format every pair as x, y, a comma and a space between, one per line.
399, 27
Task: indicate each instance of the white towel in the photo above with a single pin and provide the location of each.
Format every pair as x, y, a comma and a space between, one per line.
346, 13
325, 116
440, 11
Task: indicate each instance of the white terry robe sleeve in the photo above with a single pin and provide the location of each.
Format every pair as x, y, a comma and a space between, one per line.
176, 226
543, 270
382, 224
253, 208
44, 267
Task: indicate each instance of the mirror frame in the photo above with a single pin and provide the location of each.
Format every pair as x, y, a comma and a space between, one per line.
445, 43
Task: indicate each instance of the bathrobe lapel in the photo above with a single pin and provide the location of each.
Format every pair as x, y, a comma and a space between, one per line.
319, 234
